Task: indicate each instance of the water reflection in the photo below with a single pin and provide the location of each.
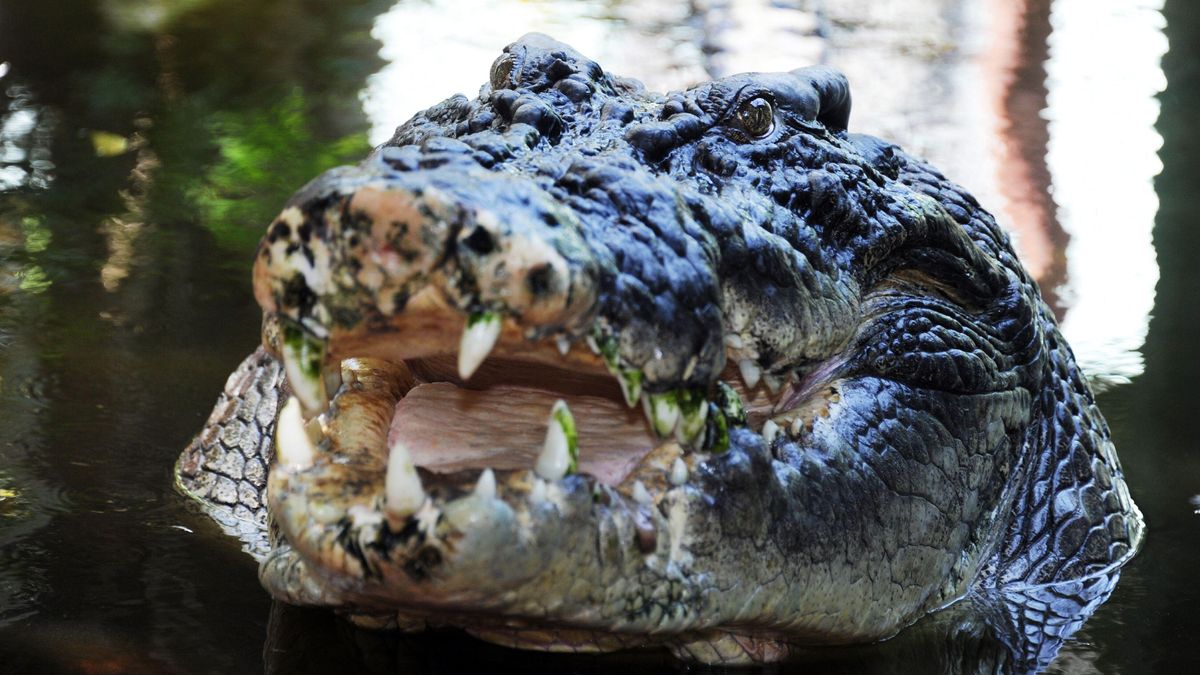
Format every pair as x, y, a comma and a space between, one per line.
134, 152
1102, 173
1016, 631
24, 134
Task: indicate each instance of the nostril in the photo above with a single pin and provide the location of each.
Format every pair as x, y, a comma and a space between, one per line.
540, 279
480, 241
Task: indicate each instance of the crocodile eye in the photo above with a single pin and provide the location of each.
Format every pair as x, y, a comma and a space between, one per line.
756, 117
501, 69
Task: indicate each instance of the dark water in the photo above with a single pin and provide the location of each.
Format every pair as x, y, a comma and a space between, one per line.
144, 144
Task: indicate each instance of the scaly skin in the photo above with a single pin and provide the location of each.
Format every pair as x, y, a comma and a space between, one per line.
938, 436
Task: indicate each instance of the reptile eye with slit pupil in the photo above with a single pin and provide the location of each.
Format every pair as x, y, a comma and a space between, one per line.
756, 117
501, 69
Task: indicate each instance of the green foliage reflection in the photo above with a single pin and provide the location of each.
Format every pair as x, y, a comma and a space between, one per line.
265, 154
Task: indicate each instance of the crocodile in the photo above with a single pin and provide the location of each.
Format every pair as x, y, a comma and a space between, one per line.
576, 366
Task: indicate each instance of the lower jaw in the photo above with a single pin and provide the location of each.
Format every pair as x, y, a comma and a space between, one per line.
341, 511
478, 533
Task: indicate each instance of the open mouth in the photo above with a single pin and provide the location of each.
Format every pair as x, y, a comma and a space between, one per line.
468, 395
440, 397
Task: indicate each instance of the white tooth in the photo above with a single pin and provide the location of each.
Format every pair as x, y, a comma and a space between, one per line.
734, 341
662, 410
750, 372
679, 472
797, 425
690, 368
537, 494
293, 448
769, 431
563, 344
404, 493
640, 494
593, 345
560, 452
478, 338
303, 359
773, 383
485, 487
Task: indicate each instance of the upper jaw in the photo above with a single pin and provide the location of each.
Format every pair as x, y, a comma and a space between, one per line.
353, 248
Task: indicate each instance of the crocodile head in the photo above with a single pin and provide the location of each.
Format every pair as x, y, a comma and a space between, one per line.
579, 366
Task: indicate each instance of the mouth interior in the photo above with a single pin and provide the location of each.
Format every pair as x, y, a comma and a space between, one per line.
498, 419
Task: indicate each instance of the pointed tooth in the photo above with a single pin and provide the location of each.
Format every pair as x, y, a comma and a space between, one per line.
750, 372
293, 447
693, 411
630, 379
640, 494
773, 382
797, 425
303, 363
679, 472
563, 344
662, 410
537, 494
631, 385
690, 368
404, 494
560, 452
770, 430
478, 339
485, 487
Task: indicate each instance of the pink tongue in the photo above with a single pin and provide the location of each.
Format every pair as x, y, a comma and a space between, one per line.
449, 429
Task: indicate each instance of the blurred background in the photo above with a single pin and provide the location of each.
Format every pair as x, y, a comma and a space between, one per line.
144, 144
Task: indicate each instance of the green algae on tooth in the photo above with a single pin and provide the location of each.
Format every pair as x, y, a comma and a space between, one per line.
560, 452
730, 403
631, 385
478, 339
630, 379
693, 411
294, 449
662, 410
303, 363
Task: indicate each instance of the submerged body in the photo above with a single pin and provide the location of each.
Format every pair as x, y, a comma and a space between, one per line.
576, 366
